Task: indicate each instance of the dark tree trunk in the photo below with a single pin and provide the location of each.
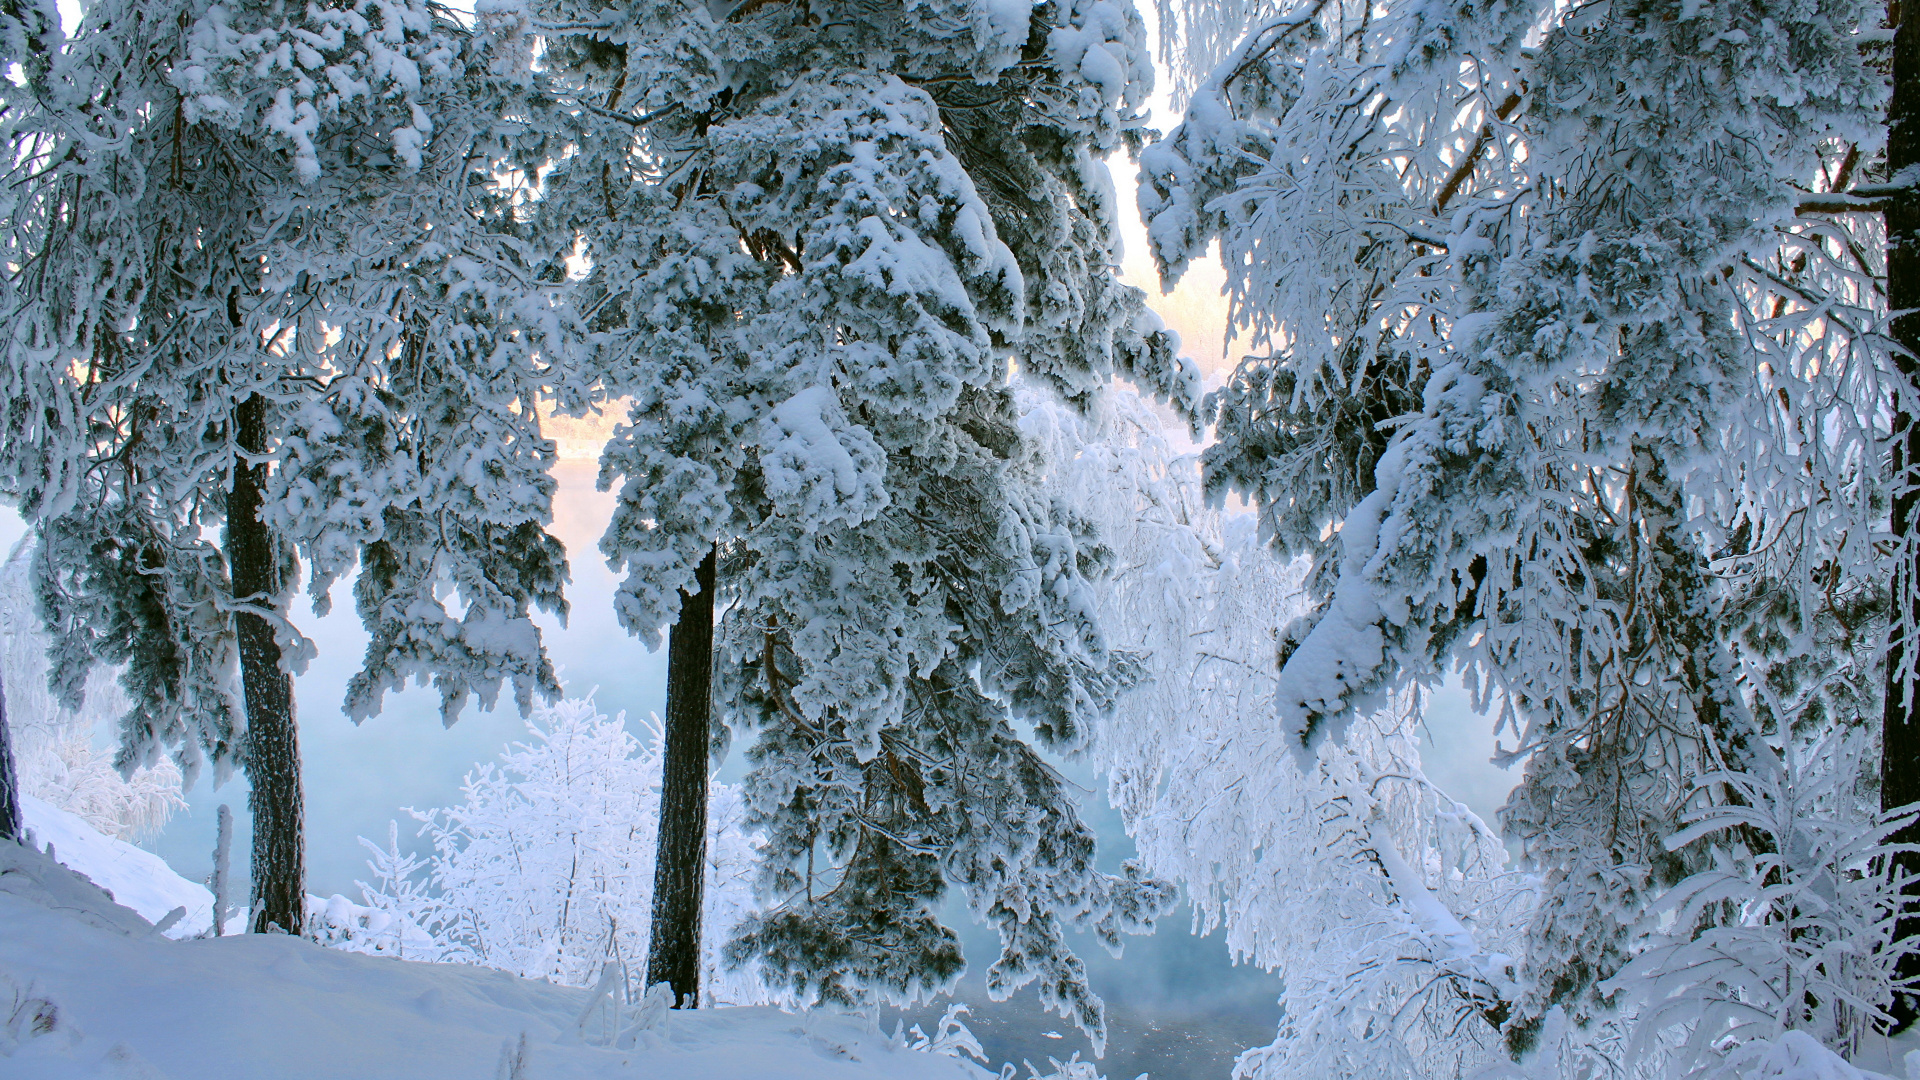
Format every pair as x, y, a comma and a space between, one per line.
12, 826
680, 859
272, 756
1900, 735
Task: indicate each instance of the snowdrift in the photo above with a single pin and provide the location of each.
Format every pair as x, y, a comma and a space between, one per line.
89, 989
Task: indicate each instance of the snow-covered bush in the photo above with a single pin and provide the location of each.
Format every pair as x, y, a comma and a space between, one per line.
546, 868
1790, 925
1383, 903
53, 745
339, 923
951, 1036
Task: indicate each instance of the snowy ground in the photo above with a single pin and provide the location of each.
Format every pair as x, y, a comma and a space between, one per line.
89, 989
134, 878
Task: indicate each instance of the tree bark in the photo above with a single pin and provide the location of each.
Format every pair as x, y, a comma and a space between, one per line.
680, 858
12, 825
1900, 735
272, 757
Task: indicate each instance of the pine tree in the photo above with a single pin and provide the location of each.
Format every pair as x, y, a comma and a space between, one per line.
1527, 292
818, 235
422, 459
260, 287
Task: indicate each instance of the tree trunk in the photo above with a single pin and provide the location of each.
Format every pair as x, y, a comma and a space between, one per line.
222, 850
680, 858
12, 825
272, 756
1900, 735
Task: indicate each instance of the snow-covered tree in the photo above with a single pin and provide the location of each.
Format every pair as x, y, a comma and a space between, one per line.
546, 867
1541, 344
819, 236
1382, 904
1900, 728
1288, 861
423, 459
263, 286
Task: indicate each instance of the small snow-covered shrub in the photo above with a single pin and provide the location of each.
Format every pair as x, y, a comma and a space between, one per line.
951, 1037
1071, 1069
1787, 937
546, 868
72, 775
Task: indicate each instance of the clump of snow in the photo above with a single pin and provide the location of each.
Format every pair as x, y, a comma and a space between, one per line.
143, 883
339, 923
33, 876
820, 468
1796, 1055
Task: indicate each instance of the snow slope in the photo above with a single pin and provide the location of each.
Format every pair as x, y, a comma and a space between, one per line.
134, 878
87, 989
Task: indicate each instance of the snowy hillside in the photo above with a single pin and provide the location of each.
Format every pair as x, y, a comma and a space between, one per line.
88, 990
137, 879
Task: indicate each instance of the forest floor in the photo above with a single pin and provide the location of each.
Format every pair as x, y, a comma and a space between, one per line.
90, 989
